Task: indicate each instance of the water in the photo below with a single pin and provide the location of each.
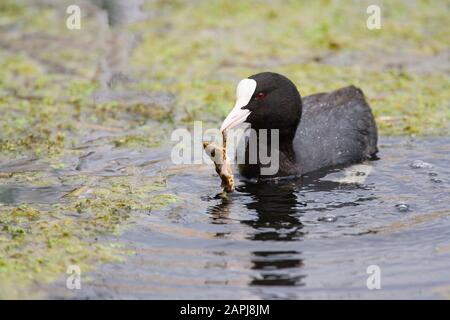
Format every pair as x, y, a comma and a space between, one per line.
310, 238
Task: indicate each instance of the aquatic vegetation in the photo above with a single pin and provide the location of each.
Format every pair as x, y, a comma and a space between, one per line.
221, 163
37, 245
199, 51
48, 113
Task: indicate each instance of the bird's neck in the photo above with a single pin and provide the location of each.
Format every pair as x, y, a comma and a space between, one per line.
287, 157
282, 144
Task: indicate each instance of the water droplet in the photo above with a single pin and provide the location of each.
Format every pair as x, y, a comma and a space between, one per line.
432, 174
402, 207
419, 164
435, 180
328, 218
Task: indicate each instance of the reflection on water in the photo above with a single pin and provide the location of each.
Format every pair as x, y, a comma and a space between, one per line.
279, 209
277, 215
277, 220
11, 195
273, 265
308, 238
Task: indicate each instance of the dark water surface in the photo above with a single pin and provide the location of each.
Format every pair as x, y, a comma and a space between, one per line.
310, 238
300, 239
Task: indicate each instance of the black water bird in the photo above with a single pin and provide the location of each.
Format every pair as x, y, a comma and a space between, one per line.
315, 132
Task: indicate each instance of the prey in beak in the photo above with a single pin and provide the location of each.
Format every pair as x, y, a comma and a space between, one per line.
244, 92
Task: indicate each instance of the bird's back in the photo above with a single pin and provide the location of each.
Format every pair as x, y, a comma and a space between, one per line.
336, 128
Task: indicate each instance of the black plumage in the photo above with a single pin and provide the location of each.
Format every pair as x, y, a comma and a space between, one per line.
319, 131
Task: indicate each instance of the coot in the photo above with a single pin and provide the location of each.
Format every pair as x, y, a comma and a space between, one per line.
319, 131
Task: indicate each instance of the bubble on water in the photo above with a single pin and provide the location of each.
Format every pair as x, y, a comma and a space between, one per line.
419, 164
432, 174
402, 207
435, 180
328, 218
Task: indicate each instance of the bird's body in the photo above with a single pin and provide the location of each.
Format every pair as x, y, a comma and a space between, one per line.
336, 128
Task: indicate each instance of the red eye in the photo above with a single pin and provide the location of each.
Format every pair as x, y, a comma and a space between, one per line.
260, 96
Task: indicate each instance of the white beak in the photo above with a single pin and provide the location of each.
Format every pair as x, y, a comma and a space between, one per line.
244, 92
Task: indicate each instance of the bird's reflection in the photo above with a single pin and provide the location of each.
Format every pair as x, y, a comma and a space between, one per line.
277, 268
277, 219
279, 209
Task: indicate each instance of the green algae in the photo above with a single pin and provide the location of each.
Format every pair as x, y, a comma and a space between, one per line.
131, 141
199, 51
47, 82
37, 245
